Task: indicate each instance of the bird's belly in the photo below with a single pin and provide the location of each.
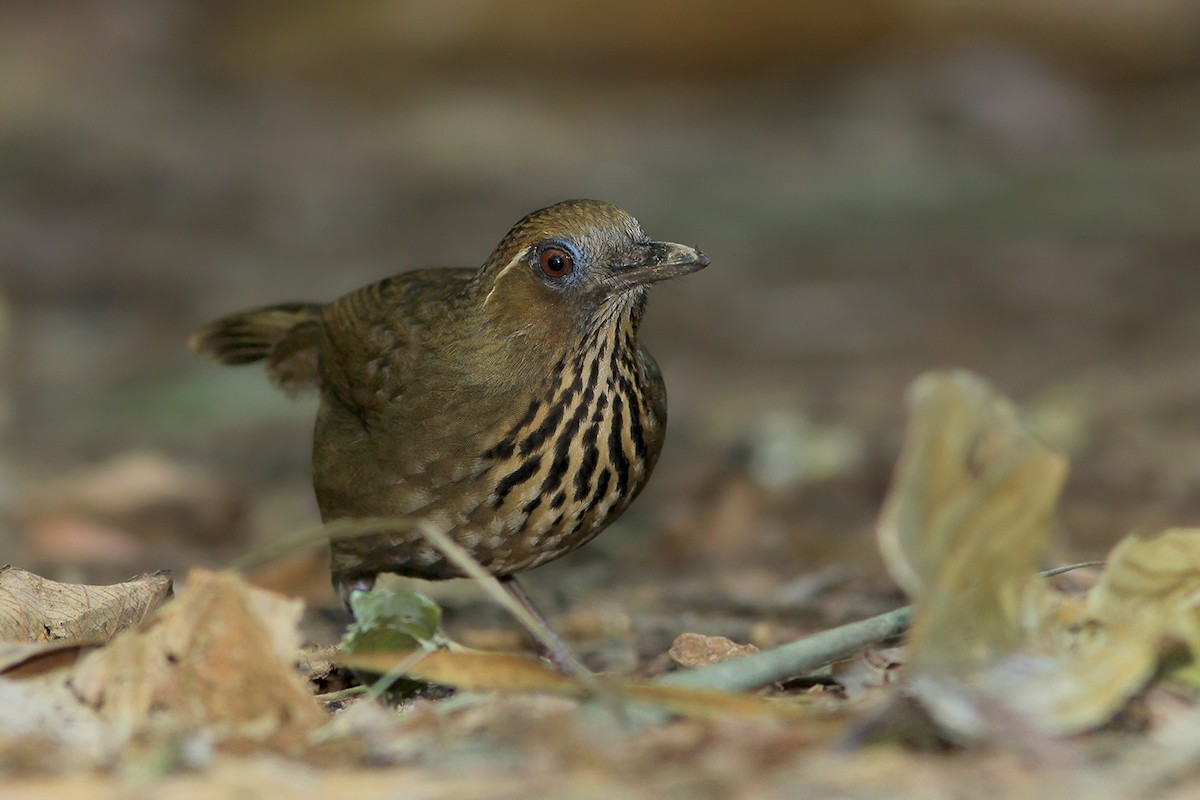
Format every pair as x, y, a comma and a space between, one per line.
526, 528
515, 495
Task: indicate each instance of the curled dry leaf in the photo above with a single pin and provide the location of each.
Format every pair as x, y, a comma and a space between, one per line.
1153, 582
1150, 590
969, 513
218, 659
968, 517
35, 609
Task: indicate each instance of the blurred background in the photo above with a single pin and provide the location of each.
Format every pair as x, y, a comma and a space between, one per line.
884, 187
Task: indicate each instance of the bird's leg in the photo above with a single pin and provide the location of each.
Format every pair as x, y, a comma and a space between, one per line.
556, 650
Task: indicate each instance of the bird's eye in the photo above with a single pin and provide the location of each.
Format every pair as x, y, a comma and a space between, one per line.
556, 262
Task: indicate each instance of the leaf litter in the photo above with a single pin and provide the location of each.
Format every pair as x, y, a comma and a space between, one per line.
205, 693
992, 645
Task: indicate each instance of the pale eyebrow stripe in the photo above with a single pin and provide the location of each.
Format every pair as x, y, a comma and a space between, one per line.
516, 260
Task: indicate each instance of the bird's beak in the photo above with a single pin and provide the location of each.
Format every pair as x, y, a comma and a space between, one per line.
651, 262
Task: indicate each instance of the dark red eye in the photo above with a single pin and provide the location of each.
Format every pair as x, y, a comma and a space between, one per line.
556, 262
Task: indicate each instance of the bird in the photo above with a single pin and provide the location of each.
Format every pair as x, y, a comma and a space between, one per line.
513, 405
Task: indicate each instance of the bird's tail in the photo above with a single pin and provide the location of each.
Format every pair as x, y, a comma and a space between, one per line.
287, 336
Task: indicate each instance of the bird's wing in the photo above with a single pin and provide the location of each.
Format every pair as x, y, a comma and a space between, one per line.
361, 335
373, 338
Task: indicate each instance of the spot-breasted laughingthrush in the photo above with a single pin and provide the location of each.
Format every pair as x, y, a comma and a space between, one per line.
511, 405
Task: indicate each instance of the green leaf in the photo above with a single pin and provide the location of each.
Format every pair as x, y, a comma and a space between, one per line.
389, 619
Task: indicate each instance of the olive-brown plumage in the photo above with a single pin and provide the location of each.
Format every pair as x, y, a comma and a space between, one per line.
511, 405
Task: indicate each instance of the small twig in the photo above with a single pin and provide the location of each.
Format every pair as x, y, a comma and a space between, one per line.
803, 655
1050, 573
341, 694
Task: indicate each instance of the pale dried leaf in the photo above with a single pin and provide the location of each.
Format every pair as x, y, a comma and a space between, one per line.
969, 514
1048, 694
219, 658
1071, 693
992, 649
35, 609
1153, 582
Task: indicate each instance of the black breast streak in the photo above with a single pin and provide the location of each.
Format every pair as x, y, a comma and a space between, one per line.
562, 445
602, 483
532, 505
635, 419
591, 457
538, 437
501, 450
616, 447
516, 478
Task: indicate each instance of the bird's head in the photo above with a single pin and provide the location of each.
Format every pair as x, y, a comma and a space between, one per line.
574, 261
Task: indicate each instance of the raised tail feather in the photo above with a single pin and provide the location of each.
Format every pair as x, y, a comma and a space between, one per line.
287, 336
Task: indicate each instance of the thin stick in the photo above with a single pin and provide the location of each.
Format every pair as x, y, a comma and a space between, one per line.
1050, 573
341, 694
804, 655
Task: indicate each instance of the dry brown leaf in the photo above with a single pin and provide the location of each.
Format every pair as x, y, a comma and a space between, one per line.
502, 672
697, 650
35, 609
219, 658
1068, 692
